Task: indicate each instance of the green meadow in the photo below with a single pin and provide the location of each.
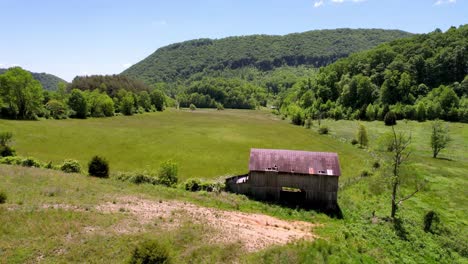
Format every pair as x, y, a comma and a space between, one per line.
205, 143
210, 144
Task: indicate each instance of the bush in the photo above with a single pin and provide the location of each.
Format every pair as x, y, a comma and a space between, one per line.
6, 151
193, 185
323, 130
31, 162
376, 165
5, 138
3, 197
151, 251
98, 167
354, 141
11, 160
192, 107
219, 106
70, 166
167, 174
431, 221
390, 119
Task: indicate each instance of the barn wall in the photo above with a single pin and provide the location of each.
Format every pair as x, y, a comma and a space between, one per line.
321, 190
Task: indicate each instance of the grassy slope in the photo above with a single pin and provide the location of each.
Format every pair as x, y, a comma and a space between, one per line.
205, 143
31, 232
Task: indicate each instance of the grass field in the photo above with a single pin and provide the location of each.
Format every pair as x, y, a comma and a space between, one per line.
205, 143
208, 144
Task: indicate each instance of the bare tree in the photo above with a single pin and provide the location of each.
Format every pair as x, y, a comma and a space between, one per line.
400, 153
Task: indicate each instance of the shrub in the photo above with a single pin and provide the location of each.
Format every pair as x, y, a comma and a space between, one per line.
192, 107
98, 167
376, 165
5, 139
323, 130
3, 197
193, 185
30, 162
431, 221
70, 166
219, 106
6, 151
11, 160
390, 119
167, 174
150, 251
354, 141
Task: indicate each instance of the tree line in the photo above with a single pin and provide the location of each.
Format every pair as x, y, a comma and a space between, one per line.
22, 97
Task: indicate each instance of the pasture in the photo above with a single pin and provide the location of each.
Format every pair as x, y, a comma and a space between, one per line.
205, 143
54, 217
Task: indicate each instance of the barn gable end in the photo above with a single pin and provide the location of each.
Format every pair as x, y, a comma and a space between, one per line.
302, 177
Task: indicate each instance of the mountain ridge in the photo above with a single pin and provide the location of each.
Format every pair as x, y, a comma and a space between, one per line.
180, 61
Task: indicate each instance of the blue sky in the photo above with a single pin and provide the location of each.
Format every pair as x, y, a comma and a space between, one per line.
83, 37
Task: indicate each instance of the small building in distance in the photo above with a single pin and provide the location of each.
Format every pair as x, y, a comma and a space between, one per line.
309, 179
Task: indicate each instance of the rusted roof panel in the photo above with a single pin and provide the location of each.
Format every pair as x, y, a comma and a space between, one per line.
293, 161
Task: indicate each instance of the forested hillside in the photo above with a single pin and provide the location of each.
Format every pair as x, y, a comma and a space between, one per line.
48, 81
422, 77
316, 48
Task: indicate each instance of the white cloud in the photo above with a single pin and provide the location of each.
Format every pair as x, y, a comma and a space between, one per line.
441, 2
318, 3
126, 65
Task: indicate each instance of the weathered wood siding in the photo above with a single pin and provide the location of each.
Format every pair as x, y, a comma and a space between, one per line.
321, 190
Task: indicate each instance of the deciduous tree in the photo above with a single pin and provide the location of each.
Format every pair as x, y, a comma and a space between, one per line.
440, 137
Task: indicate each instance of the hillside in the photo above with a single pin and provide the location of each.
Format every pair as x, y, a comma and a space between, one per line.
316, 48
420, 77
48, 81
86, 219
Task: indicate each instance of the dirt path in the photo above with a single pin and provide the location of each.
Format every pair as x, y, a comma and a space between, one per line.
254, 231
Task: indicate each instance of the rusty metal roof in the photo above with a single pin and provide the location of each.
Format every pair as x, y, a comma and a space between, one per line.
293, 161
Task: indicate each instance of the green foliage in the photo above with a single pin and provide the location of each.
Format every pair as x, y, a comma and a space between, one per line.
77, 103
5, 140
205, 57
151, 251
420, 77
127, 105
440, 137
21, 93
361, 136
193, 107
193, 185
109, 84
167, 174
431, 221
57, 109
158, 99
323, 130
390, 119
11, 160
98, 167
31, 162
70, 166
3, 197
6, 151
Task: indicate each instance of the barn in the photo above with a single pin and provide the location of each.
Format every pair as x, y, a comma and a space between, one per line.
297, 177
